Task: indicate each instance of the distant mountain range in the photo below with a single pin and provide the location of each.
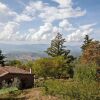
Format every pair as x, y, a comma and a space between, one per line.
30, 51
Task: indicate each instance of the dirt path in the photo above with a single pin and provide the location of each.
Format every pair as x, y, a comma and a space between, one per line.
35, 94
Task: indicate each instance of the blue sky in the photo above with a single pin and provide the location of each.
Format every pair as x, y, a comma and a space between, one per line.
38, 21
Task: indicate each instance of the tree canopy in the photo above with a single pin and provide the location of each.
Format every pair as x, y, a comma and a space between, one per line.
2, 57
86, 43
91, 52
57, 47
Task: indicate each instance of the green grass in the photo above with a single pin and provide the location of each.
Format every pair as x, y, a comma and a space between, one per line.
8, 90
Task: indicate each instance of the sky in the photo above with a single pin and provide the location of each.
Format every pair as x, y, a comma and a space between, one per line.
38, 21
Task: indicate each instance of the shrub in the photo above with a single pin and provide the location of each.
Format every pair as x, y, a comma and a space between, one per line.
82, 87
39, 82
85, 71
73, 90
52, 67
14, 63
8, 90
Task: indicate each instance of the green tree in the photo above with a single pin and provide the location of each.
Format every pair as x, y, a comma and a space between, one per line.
86, 43
2, 57
28, 65
57, 47
14, 63
50, 67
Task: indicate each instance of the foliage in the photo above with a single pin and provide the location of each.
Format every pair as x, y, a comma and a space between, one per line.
85, 72
54, 70
51, 67
57, 48
2, 57
73, 90
92, 53
10, 93
29, 64
39, 82
8, 90
82, 87
87, 41
14, 63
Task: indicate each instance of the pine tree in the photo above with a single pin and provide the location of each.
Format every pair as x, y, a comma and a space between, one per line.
87, 41
57, 48
2, 57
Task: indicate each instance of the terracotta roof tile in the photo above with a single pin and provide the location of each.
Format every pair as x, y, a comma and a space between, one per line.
9, 69
2, 71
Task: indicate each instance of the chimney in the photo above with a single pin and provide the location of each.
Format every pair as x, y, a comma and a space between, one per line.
30, 70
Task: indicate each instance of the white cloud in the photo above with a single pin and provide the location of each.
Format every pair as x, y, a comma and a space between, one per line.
42, 33
23, 17
51, 14
37, 5
5, 10
48, 14
45, 33
34, 8
28, 36
64, 3
80, 33
32, 30
29, 12
1, 26
56, 29
8, 30
6, 14
66, 25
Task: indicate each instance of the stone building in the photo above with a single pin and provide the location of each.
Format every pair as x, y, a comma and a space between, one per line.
8, 74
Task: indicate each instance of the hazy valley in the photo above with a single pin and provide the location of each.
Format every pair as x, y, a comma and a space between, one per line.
30, 51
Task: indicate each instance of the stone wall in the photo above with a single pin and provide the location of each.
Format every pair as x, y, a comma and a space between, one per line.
27, 80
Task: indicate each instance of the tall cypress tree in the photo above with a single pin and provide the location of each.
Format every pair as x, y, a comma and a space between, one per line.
2, 57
